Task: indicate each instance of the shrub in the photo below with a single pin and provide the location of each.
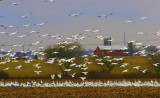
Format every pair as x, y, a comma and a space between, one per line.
96, 75
3, 75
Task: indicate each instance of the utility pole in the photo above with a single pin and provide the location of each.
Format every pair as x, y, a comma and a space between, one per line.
23, 47
124, 39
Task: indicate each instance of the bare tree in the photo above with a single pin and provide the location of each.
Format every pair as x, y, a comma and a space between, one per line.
64, 50
111, 62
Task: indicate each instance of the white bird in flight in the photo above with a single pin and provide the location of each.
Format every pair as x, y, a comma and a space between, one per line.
37, 72
125, 70
15, 3
144, 71
59, 75
53, 76
83, 78
136, 67
140, 33
25, 16
6, 68
85, 73
74, 15
49, 1
88, 30
67, 70
128, 21
73, 75
142, 18
13, 33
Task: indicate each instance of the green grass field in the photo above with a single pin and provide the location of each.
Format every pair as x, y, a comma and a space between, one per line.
47, 69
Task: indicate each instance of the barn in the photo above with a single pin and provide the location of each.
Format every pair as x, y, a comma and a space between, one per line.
111, 51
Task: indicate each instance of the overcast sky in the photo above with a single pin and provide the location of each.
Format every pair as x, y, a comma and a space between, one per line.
58, 22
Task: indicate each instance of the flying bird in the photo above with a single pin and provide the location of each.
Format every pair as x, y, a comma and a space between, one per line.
83, 78
144, 71
140, 33
136, 67
87, 30
128, 21
142, 18
49, 1
53, 76
59, 75
85, 73
74, 15
73, 75
25, 16
40, 24
125, 70
106, 15
37, 72
6, 68
13, 33
67, 70
15, 3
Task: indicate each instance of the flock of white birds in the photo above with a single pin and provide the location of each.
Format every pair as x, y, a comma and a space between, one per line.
123, 83
39, 44
84, 67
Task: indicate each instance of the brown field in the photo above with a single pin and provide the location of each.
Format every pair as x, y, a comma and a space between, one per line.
80, 92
